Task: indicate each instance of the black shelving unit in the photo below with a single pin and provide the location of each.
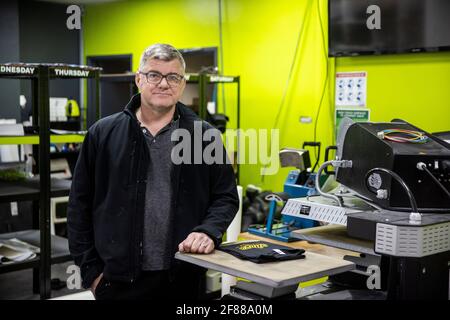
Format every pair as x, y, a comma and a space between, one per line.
53, 249
29, 190
116, 90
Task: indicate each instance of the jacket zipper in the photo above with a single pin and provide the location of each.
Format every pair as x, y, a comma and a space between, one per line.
137, 226
135, 164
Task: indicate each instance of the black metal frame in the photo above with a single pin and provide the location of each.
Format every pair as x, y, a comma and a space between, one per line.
425, 278
41, 75
119, 78
94, 86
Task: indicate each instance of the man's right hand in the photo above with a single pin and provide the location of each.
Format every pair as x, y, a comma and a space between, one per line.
95, 283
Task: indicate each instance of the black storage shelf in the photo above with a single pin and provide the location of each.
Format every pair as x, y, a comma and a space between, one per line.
52, 249
28, 190
118, 77
59, 247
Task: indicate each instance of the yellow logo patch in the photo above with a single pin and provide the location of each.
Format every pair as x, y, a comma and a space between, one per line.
249, 246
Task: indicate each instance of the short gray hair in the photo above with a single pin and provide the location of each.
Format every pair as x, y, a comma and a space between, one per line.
160, 51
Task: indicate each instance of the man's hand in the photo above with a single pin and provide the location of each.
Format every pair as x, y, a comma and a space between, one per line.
197, 242
95, 283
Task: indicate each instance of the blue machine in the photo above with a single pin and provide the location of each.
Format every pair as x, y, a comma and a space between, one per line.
299, 183
295, 190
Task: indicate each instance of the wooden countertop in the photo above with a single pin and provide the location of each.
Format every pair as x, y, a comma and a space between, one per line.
273, 274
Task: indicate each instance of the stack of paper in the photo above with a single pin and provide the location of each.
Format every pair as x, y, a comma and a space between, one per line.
58, 109
15, 250
10, 153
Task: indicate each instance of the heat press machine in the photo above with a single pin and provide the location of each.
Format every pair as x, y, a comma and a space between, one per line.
299, 183
394, 194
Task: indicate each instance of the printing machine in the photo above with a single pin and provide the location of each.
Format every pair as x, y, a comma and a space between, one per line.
394, 195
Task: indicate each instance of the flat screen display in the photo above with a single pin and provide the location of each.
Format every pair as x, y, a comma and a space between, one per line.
388, 26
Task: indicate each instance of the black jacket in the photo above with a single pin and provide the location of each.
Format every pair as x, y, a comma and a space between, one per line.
107, 198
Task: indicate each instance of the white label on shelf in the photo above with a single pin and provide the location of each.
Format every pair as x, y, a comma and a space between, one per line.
14, 209
17, 69
221, 79
71, 73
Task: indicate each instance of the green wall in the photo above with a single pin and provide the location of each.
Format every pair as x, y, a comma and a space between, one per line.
413, 87
259, 44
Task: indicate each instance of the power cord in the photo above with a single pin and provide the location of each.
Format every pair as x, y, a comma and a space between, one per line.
403, 136
222, 71
316, 120
289, 78
336, 164
415, 217
423, 167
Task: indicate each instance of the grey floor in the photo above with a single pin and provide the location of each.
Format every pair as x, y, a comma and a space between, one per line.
18, 285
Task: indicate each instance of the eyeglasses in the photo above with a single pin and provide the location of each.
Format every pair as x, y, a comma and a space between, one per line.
155, 77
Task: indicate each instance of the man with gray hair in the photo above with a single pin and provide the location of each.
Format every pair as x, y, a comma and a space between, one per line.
131, 207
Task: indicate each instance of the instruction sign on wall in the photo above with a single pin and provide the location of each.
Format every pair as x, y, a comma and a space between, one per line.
356, 114
351, 89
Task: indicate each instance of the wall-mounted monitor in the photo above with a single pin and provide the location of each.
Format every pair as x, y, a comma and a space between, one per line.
359, 27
